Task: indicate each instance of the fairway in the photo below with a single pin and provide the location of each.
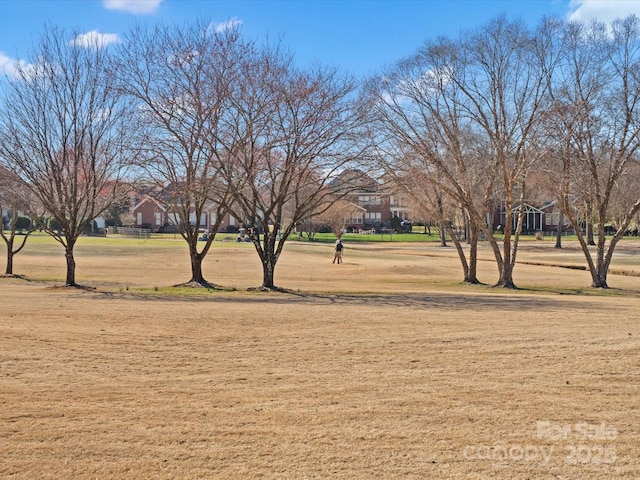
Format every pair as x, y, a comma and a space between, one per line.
382, 367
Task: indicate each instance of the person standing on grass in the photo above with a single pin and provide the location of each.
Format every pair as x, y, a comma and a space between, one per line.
338, 252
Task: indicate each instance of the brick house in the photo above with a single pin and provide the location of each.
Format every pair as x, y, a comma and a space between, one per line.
149, 212
543, 218
375, 205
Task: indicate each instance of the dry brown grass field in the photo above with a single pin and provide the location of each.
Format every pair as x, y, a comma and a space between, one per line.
384, 367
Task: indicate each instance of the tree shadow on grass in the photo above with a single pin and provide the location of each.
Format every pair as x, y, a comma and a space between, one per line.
511, 302
15, 276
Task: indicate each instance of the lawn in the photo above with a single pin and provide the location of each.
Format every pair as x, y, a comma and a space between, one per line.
383, 367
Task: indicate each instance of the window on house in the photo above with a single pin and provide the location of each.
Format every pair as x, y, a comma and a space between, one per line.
139, 218
158, 216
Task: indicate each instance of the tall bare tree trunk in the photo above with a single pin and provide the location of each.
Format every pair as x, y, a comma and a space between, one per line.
443, 236
443, 231
472, 275
588, 225
559, 229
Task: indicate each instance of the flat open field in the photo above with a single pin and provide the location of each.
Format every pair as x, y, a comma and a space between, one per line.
383, 367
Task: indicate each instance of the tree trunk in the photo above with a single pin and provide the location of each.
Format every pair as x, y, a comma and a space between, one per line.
506, 265
472, 274
559, 229
443, 236
506, 275
9, 269
71, 267
467, 229
469, 268
506, 268
443, 230
588, 225
599, 278
196, 269
268, 269
461, 254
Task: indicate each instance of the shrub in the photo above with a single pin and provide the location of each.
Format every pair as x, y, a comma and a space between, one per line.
23, 223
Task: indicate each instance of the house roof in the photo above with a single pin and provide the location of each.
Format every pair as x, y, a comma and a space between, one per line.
527, 209
354, 180
148, 198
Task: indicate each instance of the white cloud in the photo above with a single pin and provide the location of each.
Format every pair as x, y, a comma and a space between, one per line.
9, 66
137, 7
95, 39
18, 68
228, 25
603, 10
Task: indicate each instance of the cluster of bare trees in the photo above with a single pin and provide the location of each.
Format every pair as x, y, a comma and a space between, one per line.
202, 114
469, 121
64, 134
212, 119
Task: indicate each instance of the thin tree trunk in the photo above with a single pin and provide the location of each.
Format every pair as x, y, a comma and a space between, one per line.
443, 231
461, 254
559, 229
472, 276
588, 225
469, 267
506, 269
443, 236
467, 228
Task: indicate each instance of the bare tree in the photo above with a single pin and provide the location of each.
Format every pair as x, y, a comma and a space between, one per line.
426, 142
339, 215
309, 226
16, 198
295, 130
598, 93
452, 218
490, 86
63, 130
181, 79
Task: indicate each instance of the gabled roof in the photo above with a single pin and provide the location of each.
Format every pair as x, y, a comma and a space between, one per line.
527, 209
354, 180
148, 198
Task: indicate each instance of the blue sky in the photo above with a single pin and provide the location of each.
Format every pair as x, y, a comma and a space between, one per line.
359, 36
